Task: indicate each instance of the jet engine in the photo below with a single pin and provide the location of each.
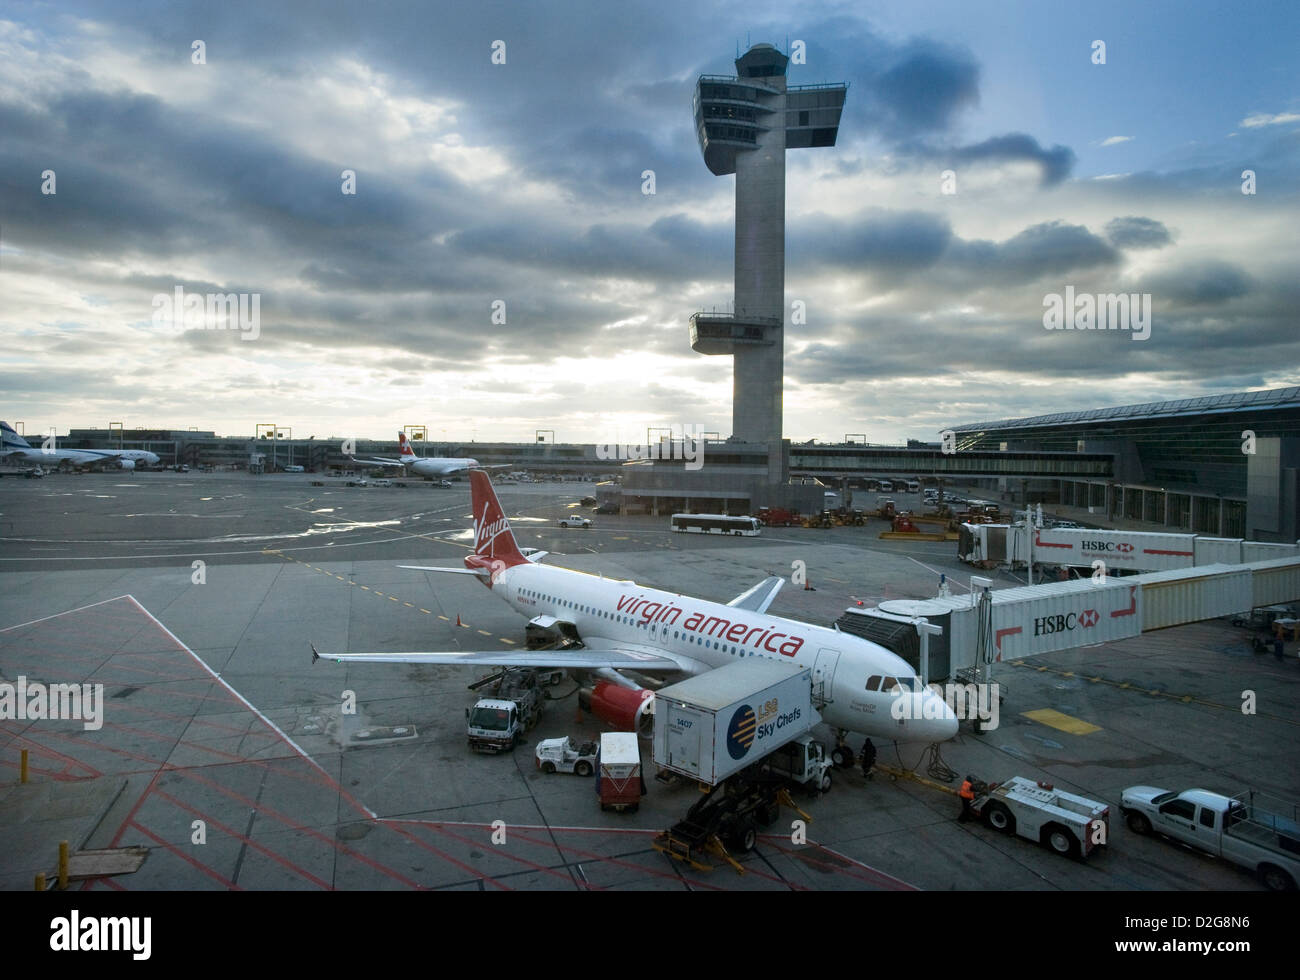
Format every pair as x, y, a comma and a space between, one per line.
126, 464
629, 709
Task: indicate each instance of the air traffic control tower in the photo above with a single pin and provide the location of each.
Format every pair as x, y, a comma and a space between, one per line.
745, 124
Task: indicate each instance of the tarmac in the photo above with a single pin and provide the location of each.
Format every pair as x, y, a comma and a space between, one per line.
239, 764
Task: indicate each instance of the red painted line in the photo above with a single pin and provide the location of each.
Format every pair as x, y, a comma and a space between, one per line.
1132, 604
1050, 544
301, 828
1156, 551
1009, 631
873, 876
251, 843
185, 857
41, 747
130, 817
564, 875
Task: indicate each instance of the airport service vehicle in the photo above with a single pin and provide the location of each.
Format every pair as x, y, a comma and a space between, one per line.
360, 481
381, 483
1230, 827
887, 486
566, 755
608, 632
716, 524
14, 445
575, 520
619, 784
774, 516
497, 722
711, 726
913, 486
1070, 825
295, 469
804, 762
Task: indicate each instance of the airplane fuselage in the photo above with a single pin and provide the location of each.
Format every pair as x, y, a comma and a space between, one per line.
850, 673
438, 465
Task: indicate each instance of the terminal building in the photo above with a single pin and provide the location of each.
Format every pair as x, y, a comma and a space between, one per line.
1224, 465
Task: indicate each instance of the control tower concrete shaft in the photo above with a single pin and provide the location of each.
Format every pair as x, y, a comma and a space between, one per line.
745, 124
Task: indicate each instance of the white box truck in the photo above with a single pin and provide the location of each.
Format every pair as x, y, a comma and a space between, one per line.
713, 725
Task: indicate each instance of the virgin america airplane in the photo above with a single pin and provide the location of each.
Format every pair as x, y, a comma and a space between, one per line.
611, 629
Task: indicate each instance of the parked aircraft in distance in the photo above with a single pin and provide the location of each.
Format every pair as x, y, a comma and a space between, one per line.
16, 445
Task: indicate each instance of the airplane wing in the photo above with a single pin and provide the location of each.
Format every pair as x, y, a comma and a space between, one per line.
586, 658
380, 461
758, 598
444, 568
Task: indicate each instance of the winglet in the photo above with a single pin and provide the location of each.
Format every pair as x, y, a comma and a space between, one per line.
314, 655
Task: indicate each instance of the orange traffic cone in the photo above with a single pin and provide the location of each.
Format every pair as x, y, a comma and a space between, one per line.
458, 622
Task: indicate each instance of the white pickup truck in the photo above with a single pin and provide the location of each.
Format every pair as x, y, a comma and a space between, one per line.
1231, 827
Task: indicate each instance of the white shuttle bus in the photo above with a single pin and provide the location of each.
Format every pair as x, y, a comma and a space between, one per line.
715, 524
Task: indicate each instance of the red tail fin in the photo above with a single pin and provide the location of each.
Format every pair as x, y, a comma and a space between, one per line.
404, 447
493, 539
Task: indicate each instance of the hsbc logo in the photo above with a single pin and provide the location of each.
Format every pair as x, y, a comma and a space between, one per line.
1046, 625
1126, 548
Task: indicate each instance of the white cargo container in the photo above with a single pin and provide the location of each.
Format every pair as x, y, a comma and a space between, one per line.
1127, 550
1214, 551
1264, 550
1191, 594
713, 725
1273, 582
1037, 619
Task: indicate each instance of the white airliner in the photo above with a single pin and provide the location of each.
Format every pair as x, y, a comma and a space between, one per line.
621, 626
431, 466
16, 445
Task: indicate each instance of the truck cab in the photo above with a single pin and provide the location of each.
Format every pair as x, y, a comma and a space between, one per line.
492, 725
802, 761
1225, 826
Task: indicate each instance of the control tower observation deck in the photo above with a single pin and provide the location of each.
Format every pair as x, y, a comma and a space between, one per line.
745, 124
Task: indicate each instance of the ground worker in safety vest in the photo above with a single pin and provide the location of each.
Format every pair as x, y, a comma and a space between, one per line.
967, 794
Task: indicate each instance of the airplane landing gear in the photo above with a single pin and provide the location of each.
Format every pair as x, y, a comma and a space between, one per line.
842, 755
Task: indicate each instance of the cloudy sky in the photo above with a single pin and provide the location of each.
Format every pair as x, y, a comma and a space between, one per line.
519, 185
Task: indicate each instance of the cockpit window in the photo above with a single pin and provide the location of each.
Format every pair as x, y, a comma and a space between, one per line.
873, 682
910, 683
889, 684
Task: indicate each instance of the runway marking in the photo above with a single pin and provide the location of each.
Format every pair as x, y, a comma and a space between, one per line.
443, 618
485, 632
1062, 722
504, 639
1180, 698
425, 611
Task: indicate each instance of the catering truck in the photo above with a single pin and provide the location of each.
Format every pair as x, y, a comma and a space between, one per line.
712, 725
619, 784
1230, 827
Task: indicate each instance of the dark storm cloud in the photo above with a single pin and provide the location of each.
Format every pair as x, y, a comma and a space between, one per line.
1205, 283
1056, 163
925, 87
898, 244
1135, 232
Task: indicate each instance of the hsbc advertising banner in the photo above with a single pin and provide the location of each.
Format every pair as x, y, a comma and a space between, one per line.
1130, 550
1041, 619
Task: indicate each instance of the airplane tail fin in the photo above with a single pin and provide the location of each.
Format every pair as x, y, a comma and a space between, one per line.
493, 539
11, 439
405, 452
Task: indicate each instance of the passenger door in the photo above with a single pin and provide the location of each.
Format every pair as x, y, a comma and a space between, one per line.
1177, 818
824, 674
